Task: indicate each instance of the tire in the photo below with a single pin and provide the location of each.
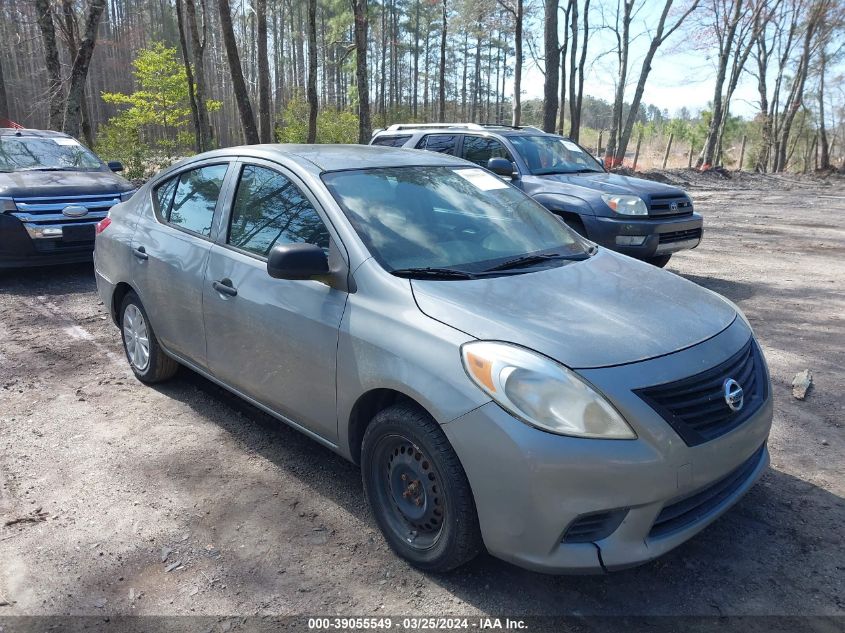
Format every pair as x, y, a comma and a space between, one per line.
659, 260
432, 523
150, 364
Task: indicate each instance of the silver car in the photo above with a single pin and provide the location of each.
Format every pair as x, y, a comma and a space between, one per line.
502, 382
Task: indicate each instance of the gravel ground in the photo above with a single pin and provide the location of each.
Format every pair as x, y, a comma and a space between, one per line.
180, 499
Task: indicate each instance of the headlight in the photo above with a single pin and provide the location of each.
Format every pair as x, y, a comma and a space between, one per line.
625, 205
127, 194
541, 392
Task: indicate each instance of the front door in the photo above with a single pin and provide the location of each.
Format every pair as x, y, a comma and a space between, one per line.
274, 340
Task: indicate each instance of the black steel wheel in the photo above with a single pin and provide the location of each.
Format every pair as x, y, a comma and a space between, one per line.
418, 490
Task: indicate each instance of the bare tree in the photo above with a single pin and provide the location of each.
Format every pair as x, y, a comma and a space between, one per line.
441, 88
4, 100
238, 82
517, 10
189, 75
552, 54
365, 129
263, 62
312, 71
620, 131
51, 59
79, 70
198, 45
563, 51
576, 67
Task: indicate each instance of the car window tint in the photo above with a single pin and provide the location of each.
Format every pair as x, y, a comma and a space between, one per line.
195, 199
391, 141
164, 197
479, 150
442, 143
268, 210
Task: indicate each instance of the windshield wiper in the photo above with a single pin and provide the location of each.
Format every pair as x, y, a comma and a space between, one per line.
432, 273
529, 260
49, 169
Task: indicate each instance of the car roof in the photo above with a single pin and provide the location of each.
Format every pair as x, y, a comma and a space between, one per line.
323, 157
11, 131
404, 129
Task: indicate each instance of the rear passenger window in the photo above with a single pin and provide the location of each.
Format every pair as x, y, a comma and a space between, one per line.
188, 201
268, 210
479, 150
442, 143
391, 141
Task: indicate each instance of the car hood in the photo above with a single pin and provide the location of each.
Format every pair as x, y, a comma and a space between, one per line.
42, 184
605, 183
608, 310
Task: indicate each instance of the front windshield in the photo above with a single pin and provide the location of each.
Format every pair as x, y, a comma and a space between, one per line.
551, 154
458, 218
32, 153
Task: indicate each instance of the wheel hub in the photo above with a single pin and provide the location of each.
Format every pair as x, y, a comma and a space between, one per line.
413, 488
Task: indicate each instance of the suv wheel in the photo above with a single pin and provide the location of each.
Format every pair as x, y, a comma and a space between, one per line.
418, 491
148, 361
660, 260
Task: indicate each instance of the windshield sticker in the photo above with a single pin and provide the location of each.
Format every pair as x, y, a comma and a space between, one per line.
66, 141
572, 147
481, 179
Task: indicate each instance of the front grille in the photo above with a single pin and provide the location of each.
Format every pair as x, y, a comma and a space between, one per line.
48, 210
679, 236
593, 527
694, 508
672, 205
696, 407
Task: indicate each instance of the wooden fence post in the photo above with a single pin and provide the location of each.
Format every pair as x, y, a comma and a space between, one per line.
742, 152
668, 148
637, 152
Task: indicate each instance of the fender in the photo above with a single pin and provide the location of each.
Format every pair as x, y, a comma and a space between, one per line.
564, 202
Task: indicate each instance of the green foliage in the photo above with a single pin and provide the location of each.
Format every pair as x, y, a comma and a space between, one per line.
333, 126
156, 118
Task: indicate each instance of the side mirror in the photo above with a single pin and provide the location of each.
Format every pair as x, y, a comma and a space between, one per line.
297, 261
502, 167
115, 165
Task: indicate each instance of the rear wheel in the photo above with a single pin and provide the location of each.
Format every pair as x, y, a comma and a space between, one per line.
418, 491
659, 260
146, 358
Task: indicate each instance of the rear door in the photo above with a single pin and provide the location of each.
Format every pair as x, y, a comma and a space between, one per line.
170, 249
274, 340
440, 143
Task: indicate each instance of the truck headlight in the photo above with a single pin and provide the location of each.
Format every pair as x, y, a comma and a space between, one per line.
541, 392
625, 205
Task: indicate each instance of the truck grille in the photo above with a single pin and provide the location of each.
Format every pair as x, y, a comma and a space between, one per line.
670, 205
51, 229
694, 508
696, 407
679, 236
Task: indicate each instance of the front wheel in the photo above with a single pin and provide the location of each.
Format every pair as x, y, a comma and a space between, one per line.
148, 361
418, 491
659, 260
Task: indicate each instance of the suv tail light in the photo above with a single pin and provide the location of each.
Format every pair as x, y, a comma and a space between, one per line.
102, 225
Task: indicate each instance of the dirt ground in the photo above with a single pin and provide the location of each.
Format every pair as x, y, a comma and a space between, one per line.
180, 499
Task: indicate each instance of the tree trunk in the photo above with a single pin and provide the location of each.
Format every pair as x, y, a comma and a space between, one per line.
265, 124
51, 58
79, 71
238, 83
359, 10
183, 45
441, 95
72, 36
552, 49
206, 134
4, 100
824, 145
517, 65
563, 50
312, 71
622, 44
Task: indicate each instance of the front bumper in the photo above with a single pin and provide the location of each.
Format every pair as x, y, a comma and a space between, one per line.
19, 250
530, 486
652, 236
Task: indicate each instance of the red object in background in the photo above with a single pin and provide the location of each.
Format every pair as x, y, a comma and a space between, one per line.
11, 124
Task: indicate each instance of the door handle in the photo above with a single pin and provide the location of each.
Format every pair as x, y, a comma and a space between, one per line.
140, 253
224, 286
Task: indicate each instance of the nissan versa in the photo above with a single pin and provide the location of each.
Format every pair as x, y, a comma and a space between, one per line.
53, 191
502, 382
